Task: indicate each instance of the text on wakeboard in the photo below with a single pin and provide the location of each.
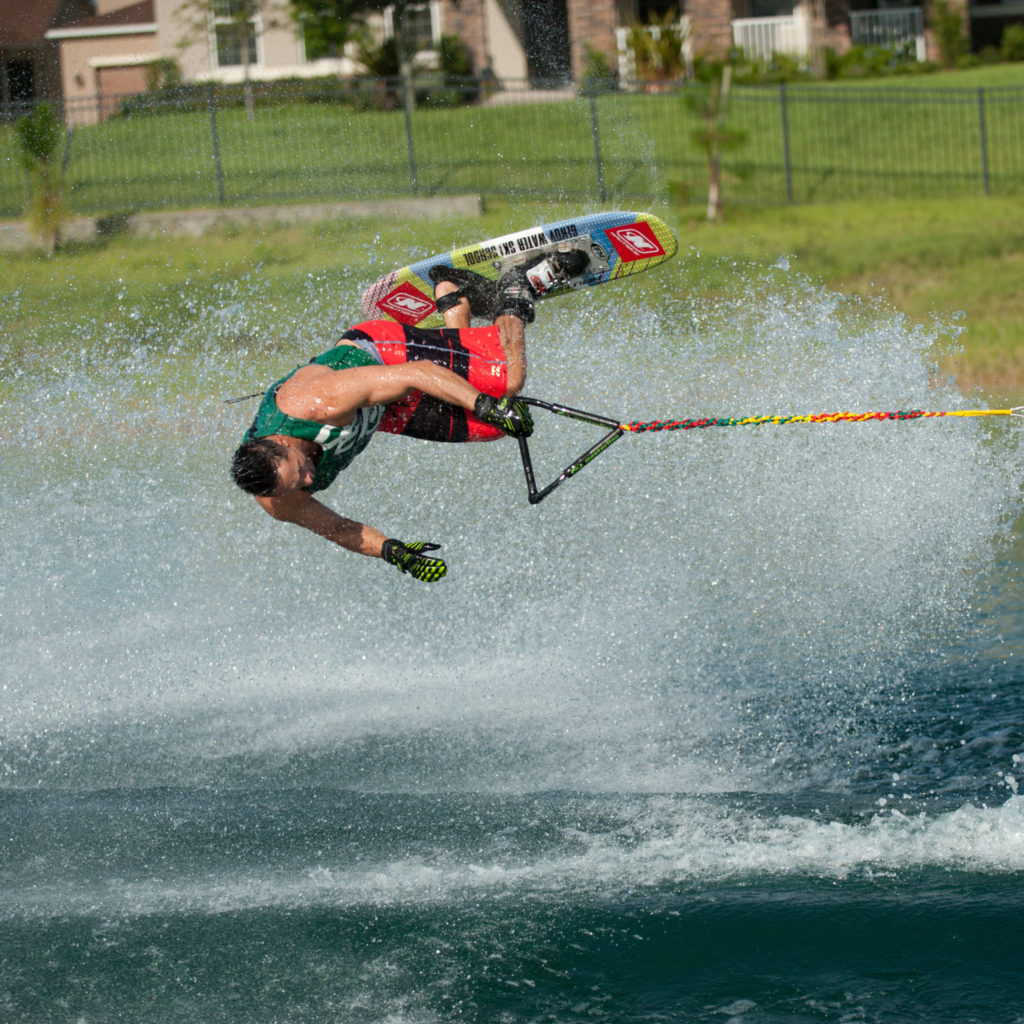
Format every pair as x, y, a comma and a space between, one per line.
522, 244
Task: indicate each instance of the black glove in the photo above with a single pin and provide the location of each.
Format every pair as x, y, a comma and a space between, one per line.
410, 558
510, 415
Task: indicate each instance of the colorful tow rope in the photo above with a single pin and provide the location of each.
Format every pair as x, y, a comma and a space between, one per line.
822, 417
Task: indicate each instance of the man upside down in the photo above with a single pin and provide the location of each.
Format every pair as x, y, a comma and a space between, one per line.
456, 383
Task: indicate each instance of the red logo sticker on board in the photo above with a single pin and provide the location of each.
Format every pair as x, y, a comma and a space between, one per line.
635, 242
408, 305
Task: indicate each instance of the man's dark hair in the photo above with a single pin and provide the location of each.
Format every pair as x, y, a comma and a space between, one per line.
254, 467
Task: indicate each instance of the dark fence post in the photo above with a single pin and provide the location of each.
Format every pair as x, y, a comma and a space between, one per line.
786, 161
410, 147
66, 158
596, 135
983, 140
218, 167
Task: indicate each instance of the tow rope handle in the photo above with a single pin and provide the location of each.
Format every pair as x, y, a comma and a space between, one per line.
618, 428
536, 494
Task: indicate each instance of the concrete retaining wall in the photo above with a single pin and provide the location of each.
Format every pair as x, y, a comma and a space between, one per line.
14, 233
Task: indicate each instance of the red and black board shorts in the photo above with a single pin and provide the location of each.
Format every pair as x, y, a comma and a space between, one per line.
474, 353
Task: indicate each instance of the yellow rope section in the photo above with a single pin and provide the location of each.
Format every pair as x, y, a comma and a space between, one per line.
822, 417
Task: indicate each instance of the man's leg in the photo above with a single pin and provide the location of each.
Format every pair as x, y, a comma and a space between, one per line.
510, 333
456, 316
513, 344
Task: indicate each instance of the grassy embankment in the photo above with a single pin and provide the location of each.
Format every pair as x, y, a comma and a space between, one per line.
930, 259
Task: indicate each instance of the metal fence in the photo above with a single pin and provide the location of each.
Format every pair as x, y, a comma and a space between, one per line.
799, 144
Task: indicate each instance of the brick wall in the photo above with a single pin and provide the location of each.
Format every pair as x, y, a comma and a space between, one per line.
710, 25
592, 25
467, 20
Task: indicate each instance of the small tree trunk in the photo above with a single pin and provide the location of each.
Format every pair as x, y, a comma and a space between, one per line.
715, 121
243, 38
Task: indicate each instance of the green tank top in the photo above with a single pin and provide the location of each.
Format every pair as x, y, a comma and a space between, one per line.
340, 444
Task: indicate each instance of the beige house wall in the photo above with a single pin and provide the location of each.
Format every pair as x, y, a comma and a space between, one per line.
280, 51
168, 31
278, 42
492, 34
82, 60
506, 51
180, 38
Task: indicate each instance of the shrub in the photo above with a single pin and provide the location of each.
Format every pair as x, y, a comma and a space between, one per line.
41, 135
948, 25
870, 61
1011, 45
454, 57
453, 83
598, 77
781, 67
658, 48
162, 74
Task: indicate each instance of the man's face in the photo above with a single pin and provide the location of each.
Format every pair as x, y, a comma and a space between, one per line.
294, 471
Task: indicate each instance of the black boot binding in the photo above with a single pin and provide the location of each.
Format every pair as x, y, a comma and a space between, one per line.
480, 292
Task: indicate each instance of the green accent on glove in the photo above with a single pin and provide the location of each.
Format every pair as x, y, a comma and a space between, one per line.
410, 558
510, 415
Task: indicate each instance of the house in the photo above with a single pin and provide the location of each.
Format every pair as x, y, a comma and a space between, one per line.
29, 62
106, 50
113, 51
549, 40
104, 56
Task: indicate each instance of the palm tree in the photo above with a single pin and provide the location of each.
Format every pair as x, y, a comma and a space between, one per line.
41, 134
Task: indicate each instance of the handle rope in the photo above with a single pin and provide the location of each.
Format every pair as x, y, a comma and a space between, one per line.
637, 427
616, 429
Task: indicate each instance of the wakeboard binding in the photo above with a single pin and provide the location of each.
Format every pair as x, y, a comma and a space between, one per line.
480, 292
514, 292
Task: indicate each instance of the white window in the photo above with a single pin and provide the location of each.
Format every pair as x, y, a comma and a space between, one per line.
419, 23
234, 32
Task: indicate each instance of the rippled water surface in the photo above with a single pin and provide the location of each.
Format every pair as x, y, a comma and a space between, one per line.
726, 729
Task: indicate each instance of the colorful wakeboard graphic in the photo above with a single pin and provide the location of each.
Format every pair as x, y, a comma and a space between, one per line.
617, 244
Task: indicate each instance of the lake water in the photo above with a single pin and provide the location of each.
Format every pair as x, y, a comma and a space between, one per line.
728, 729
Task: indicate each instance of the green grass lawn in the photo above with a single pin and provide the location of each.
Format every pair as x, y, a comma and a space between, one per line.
928, 259
931, 259
989, 76
907, 136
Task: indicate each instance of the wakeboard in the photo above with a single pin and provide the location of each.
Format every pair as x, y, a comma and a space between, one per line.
616, 244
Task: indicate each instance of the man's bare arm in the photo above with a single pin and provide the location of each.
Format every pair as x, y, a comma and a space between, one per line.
332, 396
304, 510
